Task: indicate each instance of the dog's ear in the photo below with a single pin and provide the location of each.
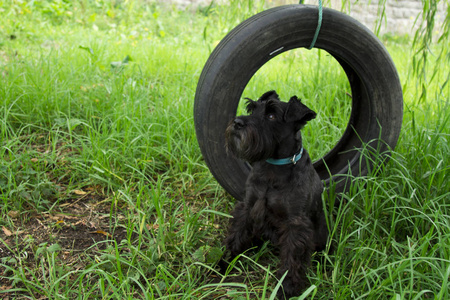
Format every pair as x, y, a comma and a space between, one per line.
298, 112
251, 105
269, 95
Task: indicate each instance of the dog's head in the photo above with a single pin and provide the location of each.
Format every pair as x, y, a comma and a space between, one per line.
270, 124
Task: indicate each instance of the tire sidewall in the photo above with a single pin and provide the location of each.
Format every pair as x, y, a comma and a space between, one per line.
377, 105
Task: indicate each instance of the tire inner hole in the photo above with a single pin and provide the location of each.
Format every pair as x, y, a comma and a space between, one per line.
320, 82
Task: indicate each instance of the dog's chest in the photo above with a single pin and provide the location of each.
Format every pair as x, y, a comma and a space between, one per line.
269, 202
276, 204
271, 192
267, 212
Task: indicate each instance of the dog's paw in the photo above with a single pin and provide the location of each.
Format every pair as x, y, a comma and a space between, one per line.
223, 266
291, 288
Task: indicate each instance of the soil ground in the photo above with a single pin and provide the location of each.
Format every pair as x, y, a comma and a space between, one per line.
78, 230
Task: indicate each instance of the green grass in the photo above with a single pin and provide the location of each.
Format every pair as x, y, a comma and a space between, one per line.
104, 193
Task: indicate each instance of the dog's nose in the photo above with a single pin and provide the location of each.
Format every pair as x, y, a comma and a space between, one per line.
238, 123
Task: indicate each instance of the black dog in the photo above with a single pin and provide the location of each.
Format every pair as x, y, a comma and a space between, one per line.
283, 201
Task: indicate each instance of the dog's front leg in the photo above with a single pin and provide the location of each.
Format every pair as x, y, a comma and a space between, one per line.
296, 245
239, 236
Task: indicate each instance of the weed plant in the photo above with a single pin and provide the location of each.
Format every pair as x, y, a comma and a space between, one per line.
97, 132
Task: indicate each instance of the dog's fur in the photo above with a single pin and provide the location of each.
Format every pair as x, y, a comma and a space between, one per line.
283, 203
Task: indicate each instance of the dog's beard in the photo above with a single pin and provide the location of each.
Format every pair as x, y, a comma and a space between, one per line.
248, 143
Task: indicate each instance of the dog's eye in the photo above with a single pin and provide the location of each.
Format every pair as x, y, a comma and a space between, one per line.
271, 117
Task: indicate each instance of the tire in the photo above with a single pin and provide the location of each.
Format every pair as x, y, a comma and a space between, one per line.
377, 101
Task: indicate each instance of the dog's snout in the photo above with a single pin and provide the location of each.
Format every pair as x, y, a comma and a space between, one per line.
238, 123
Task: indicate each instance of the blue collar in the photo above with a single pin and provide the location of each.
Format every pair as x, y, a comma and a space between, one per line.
285, 161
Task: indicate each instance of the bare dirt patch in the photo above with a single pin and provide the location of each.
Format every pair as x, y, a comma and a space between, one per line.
78, 229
